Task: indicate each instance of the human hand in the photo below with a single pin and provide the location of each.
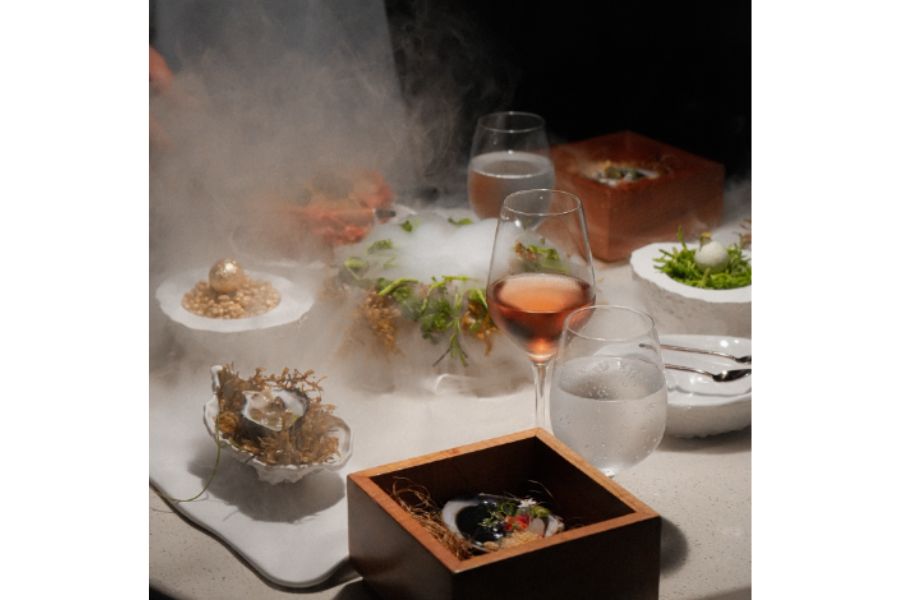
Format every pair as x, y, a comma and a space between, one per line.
160, 74
160, 81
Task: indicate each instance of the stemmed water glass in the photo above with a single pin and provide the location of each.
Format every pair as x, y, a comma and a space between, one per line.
608, 394
509, 153
540, 271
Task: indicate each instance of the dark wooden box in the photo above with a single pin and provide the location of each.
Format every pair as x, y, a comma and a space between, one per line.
614, 553
688, 192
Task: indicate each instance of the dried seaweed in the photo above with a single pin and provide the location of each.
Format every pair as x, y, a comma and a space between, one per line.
380, 315
423, 509
305, 441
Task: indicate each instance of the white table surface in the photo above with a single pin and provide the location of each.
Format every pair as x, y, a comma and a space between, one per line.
701, 487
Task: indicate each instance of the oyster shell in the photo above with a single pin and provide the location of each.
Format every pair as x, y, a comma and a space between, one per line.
275, 409
492, 522
273, 413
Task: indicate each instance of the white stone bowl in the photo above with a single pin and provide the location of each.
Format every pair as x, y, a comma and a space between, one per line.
680, 308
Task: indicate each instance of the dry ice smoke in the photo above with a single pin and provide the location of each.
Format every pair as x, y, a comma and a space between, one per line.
268, 95
432, 249
450, 75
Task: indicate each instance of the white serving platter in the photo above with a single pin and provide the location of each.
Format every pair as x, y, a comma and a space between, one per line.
295, 534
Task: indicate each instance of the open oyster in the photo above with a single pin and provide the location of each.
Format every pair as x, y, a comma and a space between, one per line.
612, 174
493, 522
274, 410
277, 424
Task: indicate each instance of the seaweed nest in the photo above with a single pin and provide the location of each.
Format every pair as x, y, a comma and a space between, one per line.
416, 500
305, 441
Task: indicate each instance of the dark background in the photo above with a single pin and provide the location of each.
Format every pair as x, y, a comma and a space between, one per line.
678, 72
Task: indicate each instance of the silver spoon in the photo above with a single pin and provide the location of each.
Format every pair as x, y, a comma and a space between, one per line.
720, 377
739, 359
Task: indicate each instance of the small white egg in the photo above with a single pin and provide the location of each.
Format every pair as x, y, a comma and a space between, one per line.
712, 256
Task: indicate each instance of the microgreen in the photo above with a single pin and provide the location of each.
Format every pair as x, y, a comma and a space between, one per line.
679, 264
443, 309
536, 258
354, 270
356, 264
379, 246
514, 507
460, 222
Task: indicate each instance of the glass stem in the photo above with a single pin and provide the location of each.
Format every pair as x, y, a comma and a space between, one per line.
540, 394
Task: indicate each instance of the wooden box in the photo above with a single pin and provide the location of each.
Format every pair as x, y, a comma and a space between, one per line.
614, 553
687, 192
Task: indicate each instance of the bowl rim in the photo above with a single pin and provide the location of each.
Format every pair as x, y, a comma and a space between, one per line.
643, 266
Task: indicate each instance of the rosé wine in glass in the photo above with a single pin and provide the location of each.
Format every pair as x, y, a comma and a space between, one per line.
541, 271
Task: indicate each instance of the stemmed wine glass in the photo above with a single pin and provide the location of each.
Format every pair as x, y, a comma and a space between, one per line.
540, 271
608, 394
509, 153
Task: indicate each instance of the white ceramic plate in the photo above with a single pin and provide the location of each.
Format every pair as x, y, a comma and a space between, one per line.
698, 406
295, 302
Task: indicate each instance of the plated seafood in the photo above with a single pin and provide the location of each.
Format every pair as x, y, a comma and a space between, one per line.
612, 173
340, 208
230, 293
491, 522
276, 423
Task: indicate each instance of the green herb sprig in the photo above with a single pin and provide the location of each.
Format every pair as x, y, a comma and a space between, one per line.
514, 507
536, 258
380, 246
441, 309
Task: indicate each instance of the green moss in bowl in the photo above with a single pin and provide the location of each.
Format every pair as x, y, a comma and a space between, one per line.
728, 268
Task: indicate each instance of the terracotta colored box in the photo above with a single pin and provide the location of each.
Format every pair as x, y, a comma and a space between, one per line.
613, 553
686, 192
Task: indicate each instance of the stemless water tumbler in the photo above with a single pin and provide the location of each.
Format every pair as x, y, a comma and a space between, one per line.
509, 153
608, 390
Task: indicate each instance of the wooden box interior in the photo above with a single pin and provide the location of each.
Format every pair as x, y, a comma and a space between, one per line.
608, 530
513, 468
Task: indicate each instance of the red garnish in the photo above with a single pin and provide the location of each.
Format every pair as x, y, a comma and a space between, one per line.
517, 522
